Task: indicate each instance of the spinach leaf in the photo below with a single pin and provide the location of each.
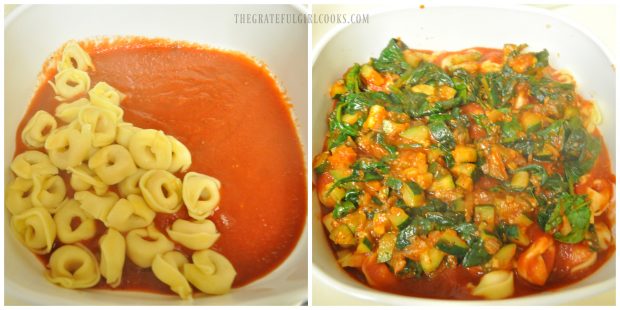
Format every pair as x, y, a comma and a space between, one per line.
510, 130
467, 87
391, 58
380, 139
577, 211
342, 209
580, 151
440, 132
352, 79
477, 254
417, 226
535, 169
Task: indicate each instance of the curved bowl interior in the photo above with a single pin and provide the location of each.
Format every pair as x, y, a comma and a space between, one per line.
33, 33
433, 28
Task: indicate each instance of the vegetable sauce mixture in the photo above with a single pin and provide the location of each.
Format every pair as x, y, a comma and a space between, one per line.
470, 174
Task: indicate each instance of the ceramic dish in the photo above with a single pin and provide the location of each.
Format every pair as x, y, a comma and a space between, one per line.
34, 32
432, 28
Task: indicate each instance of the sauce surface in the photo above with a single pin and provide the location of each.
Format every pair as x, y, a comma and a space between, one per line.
235, 121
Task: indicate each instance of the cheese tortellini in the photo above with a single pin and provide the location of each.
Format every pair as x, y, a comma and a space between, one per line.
69, 146
120, 176
130, 213
151, 149
210, 272
96, 206
201, 194
112, 164
36, 229
48, 191
167, 268
18, 195
38, 129
30, 163
68, 212
144, 244
196, 236
69, 112
161, 190
112, 246
73, 266
74, 57
70, 83
82, 179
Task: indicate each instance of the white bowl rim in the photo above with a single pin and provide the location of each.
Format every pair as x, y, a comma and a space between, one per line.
547, 297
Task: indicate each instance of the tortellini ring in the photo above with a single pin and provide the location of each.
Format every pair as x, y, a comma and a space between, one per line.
143, 244
74, 57
69, 112
112, 164
195, 236
151, 149
30, 163
68, 212
181, 157
48, 191
96, 206
69, 146
102, 123
112, 246
166, 268
210, 272
131, 184
496, 284
130, 213
70, 83
18, 195
73, 266
82, 179
161, 190
201, 194
38, 129
36, 229
124, 132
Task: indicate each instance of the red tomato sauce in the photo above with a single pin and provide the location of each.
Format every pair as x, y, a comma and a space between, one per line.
232, 116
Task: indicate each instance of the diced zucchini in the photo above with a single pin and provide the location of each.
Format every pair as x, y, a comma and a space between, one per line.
464, 169
443, 183
521, 238
412, 194
328, 221
397, 216
350, 118
465, 182
364, 246
320, 163
491, 243
342, 235
530, 121
337, 89
570, 111
464, 154
450, 243
523, 220
503, 258
485, 214
520, 180
546, 153
386, 247
459, 205
431, 259
418, 134
338, 174
336, 194
354, 220
370, 75
428, 90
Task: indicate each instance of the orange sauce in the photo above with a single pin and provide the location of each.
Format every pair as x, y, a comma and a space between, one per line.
231, 115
